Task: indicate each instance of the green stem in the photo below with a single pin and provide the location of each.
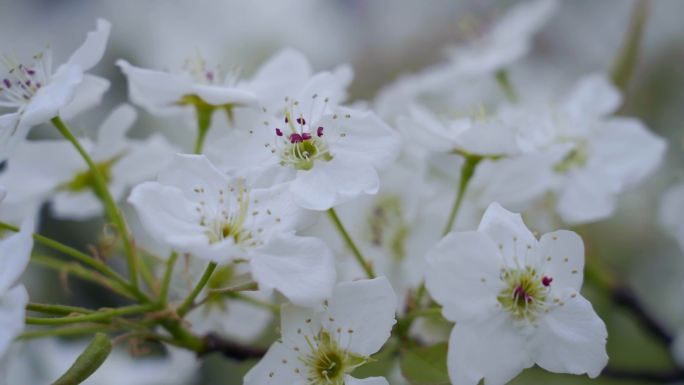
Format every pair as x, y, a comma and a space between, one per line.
147, 276
93, 356
467, 171
626, 60
64, 331
184, 337
98, 316
350, 243
185, 307
82, 273
204, 113
57, 309
101, 190
166, 281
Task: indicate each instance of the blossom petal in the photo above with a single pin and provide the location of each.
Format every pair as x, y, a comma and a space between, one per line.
276, 78
571, 338
331, 183
349, 380
366, 137
11, 134
302, 268
463, 275
362, 312
509, 232
50, 99
153, 90
12, 313
594, 96
491, 349
92, 50
15, 251
271, 370
587, 196
88, 95
223, 95
562, 255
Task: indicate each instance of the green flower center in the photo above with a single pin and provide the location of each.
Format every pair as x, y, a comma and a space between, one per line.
577, 157
327, 363
86, 180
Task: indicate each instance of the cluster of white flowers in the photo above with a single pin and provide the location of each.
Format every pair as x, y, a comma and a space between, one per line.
403, 180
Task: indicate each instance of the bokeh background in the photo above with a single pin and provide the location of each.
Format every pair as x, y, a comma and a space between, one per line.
383, 39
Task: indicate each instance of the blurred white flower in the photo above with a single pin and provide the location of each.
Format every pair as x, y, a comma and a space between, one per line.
515, 301
672, 214
197, 209
39, 94
323, 346
53, 170
596, 156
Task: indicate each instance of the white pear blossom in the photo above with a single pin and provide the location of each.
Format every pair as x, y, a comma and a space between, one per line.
38, 94
197, 209
162, 92
672, 212
53, 170
515, 301
322, 346
595, 156
329, 154
15, 251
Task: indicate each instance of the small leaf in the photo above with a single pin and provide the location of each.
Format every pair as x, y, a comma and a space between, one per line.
88, 362
425, 365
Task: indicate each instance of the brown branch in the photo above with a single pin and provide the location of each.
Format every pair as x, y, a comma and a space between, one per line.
217, 344
660, 377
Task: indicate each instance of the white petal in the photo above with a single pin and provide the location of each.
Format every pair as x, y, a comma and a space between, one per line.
367, 138
151, 89
302, 268
276, 78
626, 150
110, 138
594, 96
324, 85
92, 50
571, 338
222, 95
562, 255
276, 211
349, 380
272, 371
12, 134
15, 252
331, 183
509, 232
88, 95
363, 311
142, 161
297, 324
80, 205
490, 349
12, 312
50, 99
587, 196
463, 275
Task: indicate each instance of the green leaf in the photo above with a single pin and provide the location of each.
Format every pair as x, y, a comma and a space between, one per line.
425, 365
88, 362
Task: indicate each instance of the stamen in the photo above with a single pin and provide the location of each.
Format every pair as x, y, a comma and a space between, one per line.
546, 281
278, 132
319, 131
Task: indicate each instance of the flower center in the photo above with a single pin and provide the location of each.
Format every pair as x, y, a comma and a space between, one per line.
303, 146
577, 157
226, 220
23, 81
85, 180
326, 362
525, 292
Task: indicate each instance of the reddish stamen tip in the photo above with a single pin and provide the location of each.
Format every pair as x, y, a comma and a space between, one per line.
296, 138
287, 120
7, 83
30, 72
306, 136
546, 281
301, 121
278, 132
319, 131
